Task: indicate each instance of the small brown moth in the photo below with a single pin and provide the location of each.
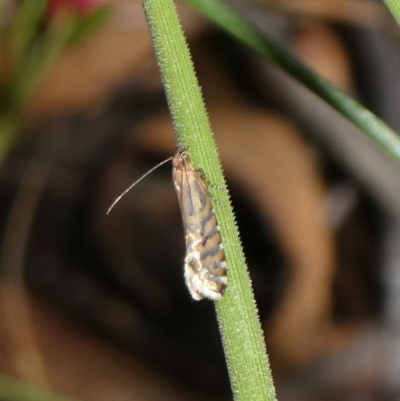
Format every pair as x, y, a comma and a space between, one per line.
205, 269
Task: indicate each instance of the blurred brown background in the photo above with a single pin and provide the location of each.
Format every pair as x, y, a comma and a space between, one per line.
95, 307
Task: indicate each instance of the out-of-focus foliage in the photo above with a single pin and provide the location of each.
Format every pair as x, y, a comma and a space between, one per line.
33, 35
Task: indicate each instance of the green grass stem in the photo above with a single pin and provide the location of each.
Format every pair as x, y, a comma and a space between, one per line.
241, 332
394, 7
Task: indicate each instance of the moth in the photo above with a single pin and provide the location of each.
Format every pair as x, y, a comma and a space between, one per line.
205, 269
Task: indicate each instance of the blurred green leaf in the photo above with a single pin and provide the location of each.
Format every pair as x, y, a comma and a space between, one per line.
243, 30
28, 74
25, 27
90, 23
16, 390
43, 53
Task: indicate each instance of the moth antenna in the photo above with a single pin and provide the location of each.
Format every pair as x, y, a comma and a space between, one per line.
137, 182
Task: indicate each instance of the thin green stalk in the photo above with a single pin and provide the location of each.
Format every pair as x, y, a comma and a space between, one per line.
34, 51
9, 133
25, 26
23, 82
394, 7
29, 73
237, 26
240, 328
